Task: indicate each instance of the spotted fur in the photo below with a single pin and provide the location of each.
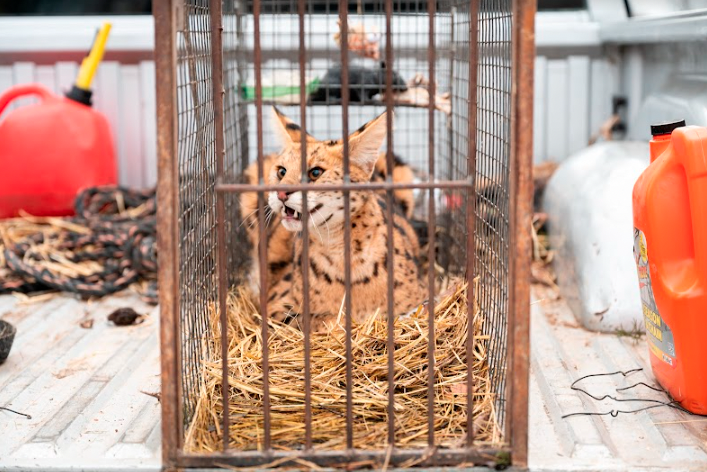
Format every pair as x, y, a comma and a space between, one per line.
402, 172
369, 258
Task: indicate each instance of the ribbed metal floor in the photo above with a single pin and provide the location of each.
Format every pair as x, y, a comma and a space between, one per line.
83, 387
659, 438
84, 390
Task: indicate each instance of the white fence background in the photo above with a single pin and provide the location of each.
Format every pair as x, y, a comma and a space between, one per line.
575, 80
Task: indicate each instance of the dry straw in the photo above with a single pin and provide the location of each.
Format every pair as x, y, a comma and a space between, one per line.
328, 374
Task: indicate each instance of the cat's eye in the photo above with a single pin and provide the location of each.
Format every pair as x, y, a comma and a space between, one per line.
281, 171
315, 173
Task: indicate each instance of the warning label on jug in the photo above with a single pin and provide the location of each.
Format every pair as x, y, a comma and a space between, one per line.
660, 338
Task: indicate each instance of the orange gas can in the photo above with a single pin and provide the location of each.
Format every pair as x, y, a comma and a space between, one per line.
670, 249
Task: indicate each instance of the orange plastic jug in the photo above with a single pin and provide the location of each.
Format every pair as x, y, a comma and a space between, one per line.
670, 249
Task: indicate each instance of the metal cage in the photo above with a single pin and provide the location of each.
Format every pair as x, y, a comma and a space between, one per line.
209, 53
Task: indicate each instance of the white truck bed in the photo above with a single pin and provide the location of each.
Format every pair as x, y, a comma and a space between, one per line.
87, 392
82, 387
562, 352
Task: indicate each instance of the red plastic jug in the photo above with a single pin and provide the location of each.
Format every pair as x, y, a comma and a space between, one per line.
50, 151
670, 249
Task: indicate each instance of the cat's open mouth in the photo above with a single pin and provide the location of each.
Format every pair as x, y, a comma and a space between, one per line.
292, 214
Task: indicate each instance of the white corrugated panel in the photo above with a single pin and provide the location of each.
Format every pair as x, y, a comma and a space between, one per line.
572, 92
539, 111
125, 94
573, 97
557, 109
578, 102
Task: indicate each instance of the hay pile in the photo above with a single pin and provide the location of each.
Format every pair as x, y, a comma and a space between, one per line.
328, 369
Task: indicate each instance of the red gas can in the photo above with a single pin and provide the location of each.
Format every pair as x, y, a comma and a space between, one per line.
670, 249
49, 151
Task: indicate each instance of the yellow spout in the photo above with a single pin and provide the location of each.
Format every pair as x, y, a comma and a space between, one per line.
90, 62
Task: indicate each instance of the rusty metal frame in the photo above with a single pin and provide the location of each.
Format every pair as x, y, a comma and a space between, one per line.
166, 14
523, 57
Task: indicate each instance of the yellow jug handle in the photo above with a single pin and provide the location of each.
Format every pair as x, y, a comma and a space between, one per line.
90, 62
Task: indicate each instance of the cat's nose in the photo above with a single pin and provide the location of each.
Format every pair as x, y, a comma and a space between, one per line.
283, 196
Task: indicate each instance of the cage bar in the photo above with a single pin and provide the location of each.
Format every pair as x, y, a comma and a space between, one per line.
305, 227
262, 232
343, 18
431, 229
167, 239
471, 210
390, 346
218, 95
521, 220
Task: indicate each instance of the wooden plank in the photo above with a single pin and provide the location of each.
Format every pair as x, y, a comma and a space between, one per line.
130, 165
579, 73
149, 113
557, 110
633, 80
540, 110
604, 86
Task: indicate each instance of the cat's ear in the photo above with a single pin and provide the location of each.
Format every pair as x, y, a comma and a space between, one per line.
367, 141
287, 130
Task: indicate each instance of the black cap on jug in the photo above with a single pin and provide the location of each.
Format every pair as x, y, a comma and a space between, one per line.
666, 128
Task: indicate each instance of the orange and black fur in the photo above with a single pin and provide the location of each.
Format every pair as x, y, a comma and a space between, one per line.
369, 258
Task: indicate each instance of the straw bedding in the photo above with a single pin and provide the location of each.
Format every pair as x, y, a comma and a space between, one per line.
328, 374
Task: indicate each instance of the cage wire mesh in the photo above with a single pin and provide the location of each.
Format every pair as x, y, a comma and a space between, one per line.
197, 197
280, 74
493, 128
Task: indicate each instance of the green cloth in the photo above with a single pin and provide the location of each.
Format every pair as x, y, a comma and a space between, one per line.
275, 91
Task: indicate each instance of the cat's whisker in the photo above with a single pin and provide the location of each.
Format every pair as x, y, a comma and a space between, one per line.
268, 214
253, 223
316, 227
328, 233
269, 217
245, 218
